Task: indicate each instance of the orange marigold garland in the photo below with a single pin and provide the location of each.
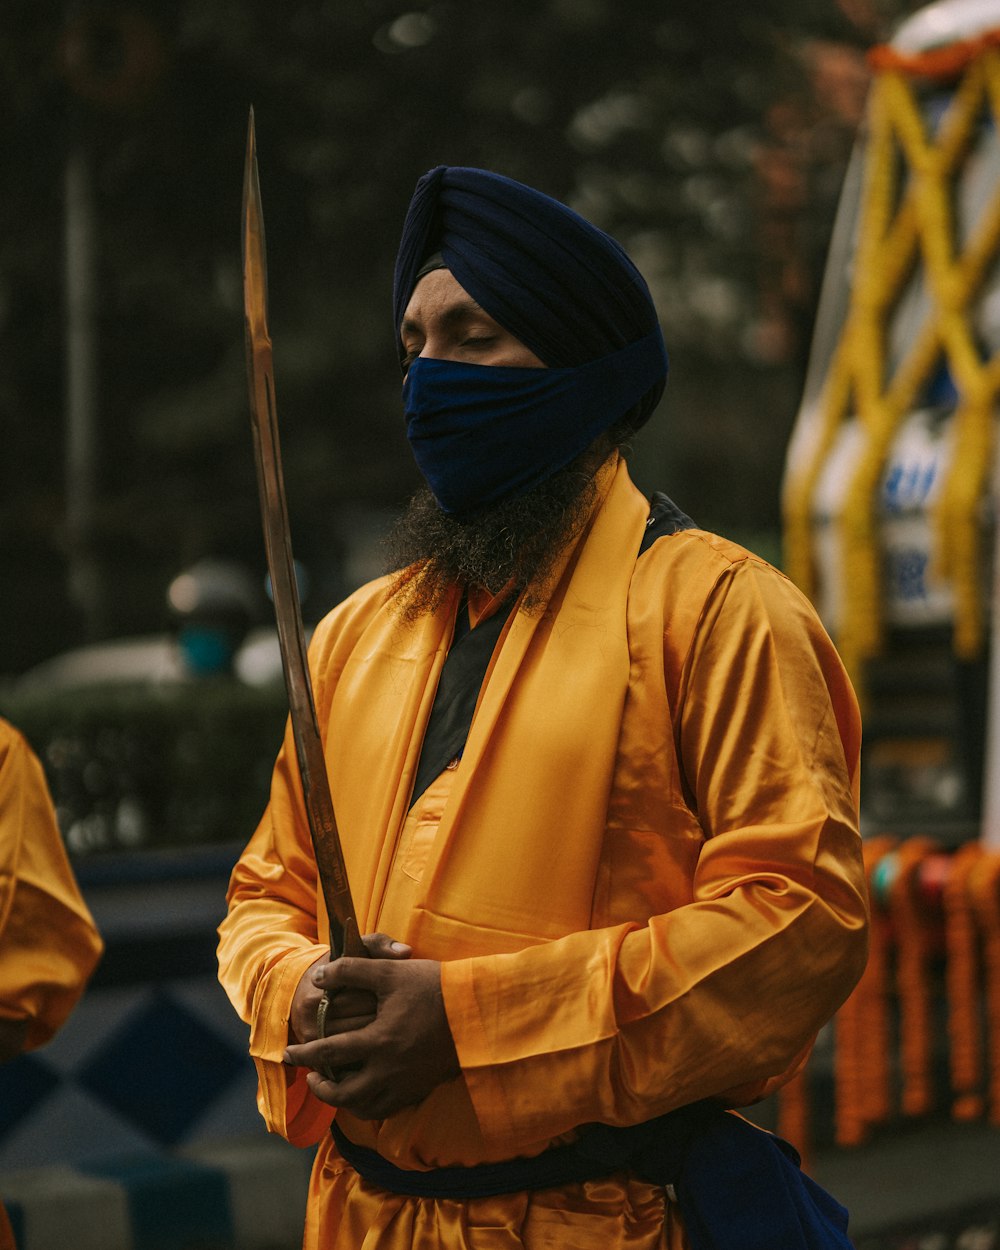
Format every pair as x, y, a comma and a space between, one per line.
962, 981
984, 888
850, 1128
876, 1034
914, 942
861, 1058
940, 63
794, 1112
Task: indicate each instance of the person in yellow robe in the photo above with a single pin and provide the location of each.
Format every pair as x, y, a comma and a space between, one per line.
630, 887
49, 945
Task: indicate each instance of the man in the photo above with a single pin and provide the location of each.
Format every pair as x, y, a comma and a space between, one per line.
633, 884
49, 945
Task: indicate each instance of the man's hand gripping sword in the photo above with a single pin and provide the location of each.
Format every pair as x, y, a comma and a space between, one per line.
344, 936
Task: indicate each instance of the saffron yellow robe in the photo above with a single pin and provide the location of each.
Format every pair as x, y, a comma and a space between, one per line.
644, 878
49, 945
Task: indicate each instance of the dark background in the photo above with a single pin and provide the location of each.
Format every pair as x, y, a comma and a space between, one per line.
710, 139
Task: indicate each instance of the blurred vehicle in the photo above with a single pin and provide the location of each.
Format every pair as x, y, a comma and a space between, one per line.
153, 658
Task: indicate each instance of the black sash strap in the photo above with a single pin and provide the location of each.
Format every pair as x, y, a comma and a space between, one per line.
561, 1165
735, 1184
467, 661
653, 1150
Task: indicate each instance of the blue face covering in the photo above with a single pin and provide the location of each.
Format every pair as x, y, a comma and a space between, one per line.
480, 433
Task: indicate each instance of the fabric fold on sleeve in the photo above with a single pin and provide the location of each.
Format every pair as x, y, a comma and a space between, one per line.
266, 943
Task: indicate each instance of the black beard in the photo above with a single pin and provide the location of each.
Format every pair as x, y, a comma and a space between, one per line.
512, 543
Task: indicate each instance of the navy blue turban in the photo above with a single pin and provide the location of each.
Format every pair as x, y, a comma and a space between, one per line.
562, 287
567, 290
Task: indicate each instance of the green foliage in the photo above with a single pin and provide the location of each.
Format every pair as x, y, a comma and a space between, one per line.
154, 766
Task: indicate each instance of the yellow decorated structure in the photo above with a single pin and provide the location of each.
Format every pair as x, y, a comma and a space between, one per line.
889, 486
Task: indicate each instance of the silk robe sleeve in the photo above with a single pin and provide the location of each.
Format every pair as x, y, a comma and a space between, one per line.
49, 945
267, 941
722, 995
269, 937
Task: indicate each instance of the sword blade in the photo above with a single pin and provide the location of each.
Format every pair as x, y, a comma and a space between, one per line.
332, 869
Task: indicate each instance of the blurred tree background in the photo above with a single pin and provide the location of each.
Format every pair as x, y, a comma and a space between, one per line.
710, 139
